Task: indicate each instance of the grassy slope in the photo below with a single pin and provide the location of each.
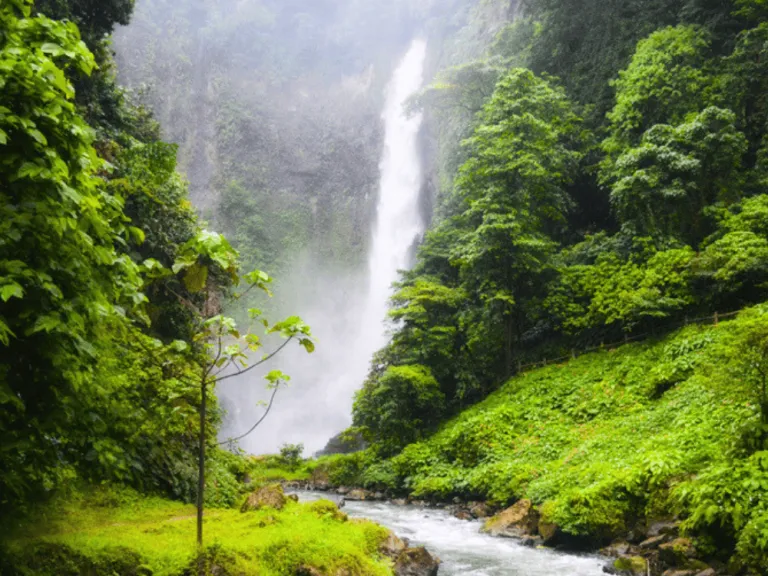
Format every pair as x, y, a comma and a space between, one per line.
611, 438
117, 535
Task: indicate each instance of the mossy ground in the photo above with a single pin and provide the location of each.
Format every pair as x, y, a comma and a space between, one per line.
131, 534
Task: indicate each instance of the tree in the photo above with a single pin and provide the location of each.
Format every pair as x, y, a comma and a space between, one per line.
61, 278
661, 187
218, 348
399, 405
523, 154
670, 75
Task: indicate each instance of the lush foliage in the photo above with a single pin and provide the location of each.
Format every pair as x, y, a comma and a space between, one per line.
110, 293
561, 229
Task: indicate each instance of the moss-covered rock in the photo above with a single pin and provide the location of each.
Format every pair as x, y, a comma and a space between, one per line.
416, 562
631, 566
271, 496
677, 552
517, 521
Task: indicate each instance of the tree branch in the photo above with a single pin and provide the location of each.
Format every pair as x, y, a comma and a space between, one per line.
259, 363
269, 407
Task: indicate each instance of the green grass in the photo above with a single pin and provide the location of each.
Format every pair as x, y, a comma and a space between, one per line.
92, 530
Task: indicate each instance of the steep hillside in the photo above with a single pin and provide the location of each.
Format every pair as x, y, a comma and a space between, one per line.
612, 440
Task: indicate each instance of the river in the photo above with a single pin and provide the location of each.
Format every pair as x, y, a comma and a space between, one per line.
463, 549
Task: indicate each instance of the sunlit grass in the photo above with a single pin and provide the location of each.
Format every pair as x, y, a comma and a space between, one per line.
265, 542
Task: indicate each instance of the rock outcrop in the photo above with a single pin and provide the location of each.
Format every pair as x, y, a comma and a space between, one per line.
266, 496
517, 521
416, 562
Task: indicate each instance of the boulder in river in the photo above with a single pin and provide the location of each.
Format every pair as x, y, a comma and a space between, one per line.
266, 496
393, 546
517, 521
628, 566
357, 494
480, 510
416, 562
463, 514
549, 532
620, 548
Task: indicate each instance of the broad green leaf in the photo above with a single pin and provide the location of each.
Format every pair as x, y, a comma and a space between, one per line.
12, 290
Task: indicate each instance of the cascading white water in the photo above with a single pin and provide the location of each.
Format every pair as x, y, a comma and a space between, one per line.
348, 322
398, 221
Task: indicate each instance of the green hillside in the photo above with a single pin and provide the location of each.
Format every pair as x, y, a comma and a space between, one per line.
613, 438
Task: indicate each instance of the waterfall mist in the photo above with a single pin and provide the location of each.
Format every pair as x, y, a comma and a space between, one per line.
346, 309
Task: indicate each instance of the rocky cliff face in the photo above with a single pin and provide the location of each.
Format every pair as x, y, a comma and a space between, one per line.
276, 106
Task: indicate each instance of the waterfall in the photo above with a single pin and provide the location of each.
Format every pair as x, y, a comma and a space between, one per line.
347, 313
398, 222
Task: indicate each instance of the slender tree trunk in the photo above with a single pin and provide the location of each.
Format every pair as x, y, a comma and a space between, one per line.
201, 465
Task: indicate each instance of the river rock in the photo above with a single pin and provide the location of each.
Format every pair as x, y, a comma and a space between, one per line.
628, 566
617, 549
266, 496
357, 494
400, 502
462, 514
392, 547
343, 490
480, 510
654, 542
379, 496
549, 532
678, 552
519, 520
416, 562
532, 541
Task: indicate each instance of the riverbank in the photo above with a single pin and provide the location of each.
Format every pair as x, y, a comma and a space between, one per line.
118, 531
607, 446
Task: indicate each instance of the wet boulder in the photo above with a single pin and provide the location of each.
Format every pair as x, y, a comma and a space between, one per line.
677, 552
358, 494
517, 521
654, 542
480, 510
628, 566
393, 546
549, 532
617, 549
462, 514
266, 496
416, 562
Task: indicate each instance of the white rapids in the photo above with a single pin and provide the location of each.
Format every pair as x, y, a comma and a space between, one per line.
462, 548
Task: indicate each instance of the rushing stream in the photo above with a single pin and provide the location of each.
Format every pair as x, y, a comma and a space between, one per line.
463, 549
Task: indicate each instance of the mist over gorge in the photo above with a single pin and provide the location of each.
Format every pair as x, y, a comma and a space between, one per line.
278, 110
